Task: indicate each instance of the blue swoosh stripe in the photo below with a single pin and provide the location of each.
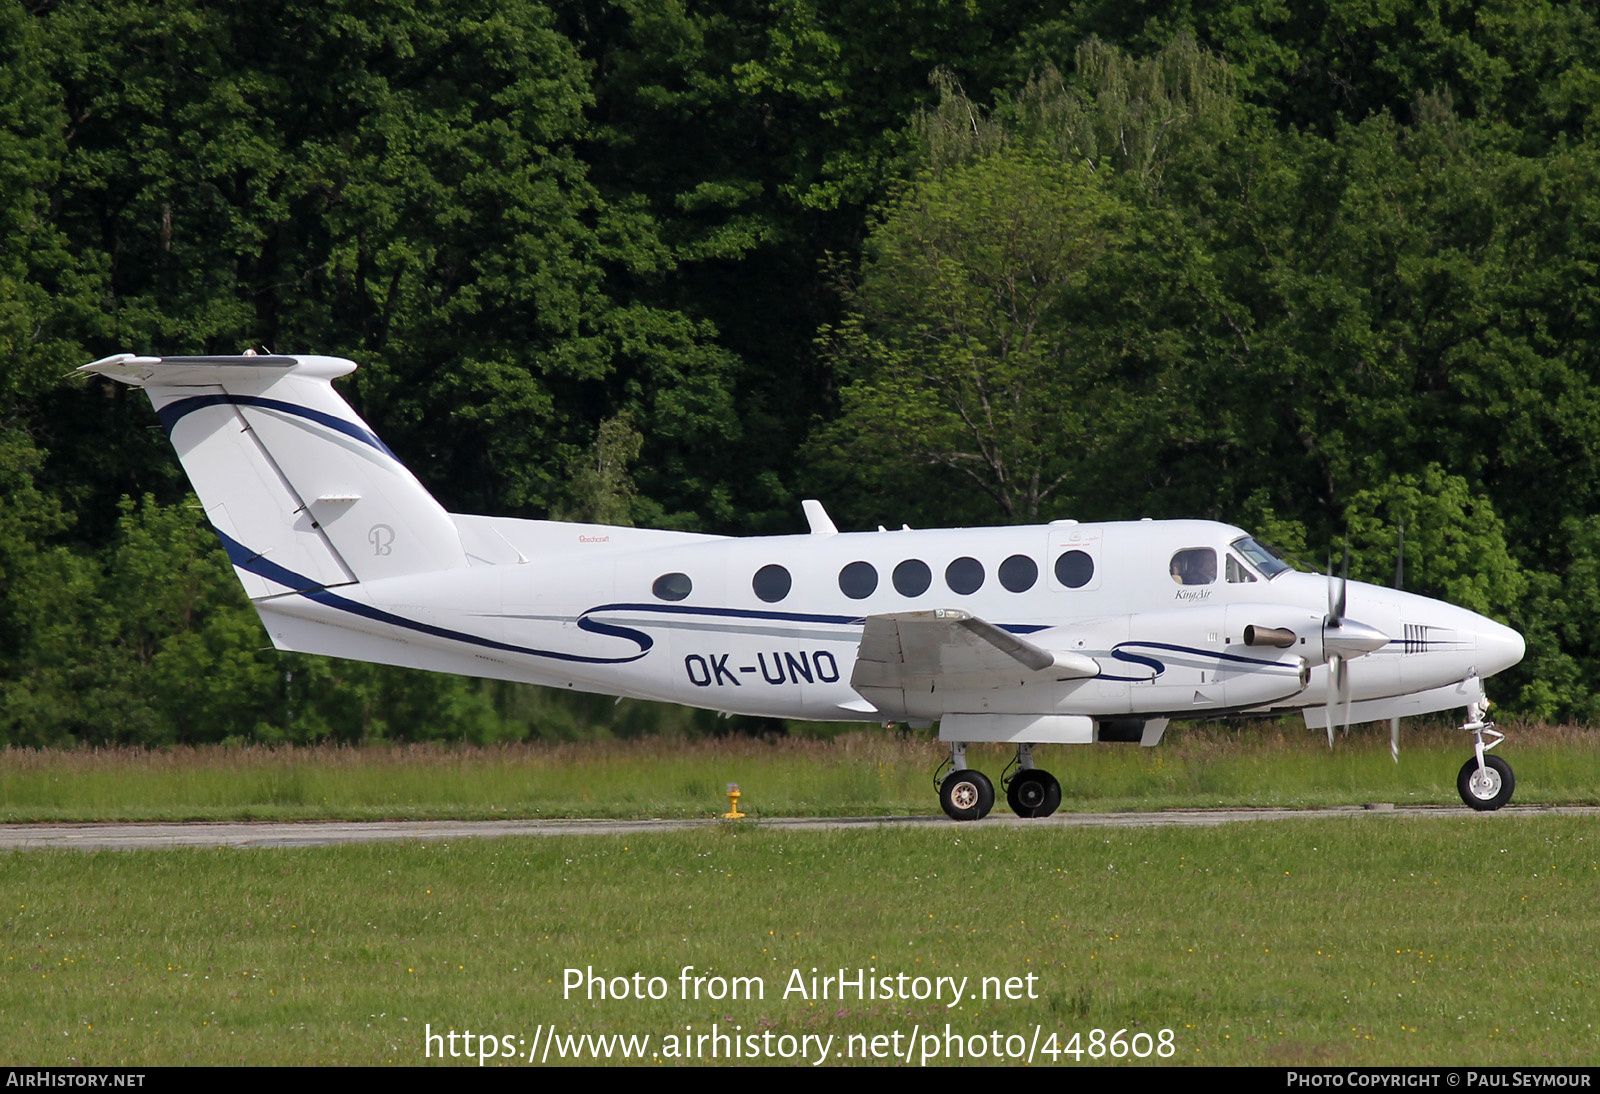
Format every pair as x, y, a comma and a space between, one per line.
258, 564
1122, 652
175, 411
1201, 653
242, 557
1150, 663
786, 617
730, 613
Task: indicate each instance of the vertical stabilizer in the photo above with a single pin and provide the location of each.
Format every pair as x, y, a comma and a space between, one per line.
303, 494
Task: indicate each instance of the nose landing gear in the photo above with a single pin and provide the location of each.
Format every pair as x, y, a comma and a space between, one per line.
1486, 787
1485, 782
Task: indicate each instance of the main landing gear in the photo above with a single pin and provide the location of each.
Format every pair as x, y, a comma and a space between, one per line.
1485, 782
966, 794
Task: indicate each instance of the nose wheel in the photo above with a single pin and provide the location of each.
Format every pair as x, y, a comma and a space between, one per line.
1488, 787
1485, 782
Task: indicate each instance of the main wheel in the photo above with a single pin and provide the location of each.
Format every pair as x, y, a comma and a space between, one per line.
1034, 793
1488, 789
966, 795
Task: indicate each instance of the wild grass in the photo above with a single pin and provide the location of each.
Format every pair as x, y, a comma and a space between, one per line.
862, 772
1368, 940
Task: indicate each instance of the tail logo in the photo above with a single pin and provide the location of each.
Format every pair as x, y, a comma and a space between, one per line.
381, 536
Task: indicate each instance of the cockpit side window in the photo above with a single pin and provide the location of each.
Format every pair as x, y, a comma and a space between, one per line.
1238, 574
1194, 566
1266, 561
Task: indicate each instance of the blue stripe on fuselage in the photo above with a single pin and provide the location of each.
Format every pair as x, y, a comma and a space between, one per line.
241, 557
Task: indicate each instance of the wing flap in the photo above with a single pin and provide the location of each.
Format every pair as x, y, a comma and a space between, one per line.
947, 649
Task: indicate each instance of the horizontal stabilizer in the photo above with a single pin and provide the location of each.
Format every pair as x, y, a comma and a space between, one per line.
139, 371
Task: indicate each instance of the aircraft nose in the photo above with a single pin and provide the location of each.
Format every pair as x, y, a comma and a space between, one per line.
1499, 647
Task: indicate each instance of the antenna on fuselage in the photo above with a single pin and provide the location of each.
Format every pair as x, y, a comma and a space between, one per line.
817, 517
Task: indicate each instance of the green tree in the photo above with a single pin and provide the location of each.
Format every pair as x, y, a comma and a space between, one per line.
1134, 116
964, 340
1455, 547
601, 488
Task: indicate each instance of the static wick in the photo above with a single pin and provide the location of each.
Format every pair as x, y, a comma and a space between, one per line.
733, 803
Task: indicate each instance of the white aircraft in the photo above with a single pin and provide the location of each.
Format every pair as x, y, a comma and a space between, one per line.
1066, 633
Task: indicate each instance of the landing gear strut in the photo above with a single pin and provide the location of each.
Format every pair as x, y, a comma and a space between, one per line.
1485, 782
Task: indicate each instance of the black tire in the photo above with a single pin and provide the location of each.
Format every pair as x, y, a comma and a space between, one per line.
1034, 794
966, 795
1491, 792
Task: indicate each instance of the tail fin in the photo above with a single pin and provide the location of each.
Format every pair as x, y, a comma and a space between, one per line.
303, 494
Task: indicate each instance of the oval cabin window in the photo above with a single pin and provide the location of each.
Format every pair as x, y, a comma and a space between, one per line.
1074, 569
672, 586
858, 580
912, 577
964, 576
1018, 573
772, 583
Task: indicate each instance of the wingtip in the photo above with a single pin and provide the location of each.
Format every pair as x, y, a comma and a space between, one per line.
119, 366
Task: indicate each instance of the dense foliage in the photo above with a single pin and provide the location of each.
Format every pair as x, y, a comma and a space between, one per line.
1327, 271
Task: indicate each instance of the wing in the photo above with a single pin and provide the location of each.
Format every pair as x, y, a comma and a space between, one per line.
950, 650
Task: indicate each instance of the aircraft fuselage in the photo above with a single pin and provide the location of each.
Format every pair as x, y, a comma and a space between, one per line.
593, 610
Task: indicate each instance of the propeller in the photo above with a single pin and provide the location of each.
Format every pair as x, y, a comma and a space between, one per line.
1343, 639
1338, 676
1399, 583
1400, 558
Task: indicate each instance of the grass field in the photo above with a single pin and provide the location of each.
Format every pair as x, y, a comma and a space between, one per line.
1378, 940
1374, 940
861, 773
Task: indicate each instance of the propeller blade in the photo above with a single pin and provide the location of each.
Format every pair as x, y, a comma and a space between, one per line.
1333, 596
1394, 723
1342, 689
1343, 639
1337, 590
1338, 694
1400, 558
1344, 580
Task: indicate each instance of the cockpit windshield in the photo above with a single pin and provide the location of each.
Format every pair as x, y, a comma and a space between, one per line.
1262, 557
